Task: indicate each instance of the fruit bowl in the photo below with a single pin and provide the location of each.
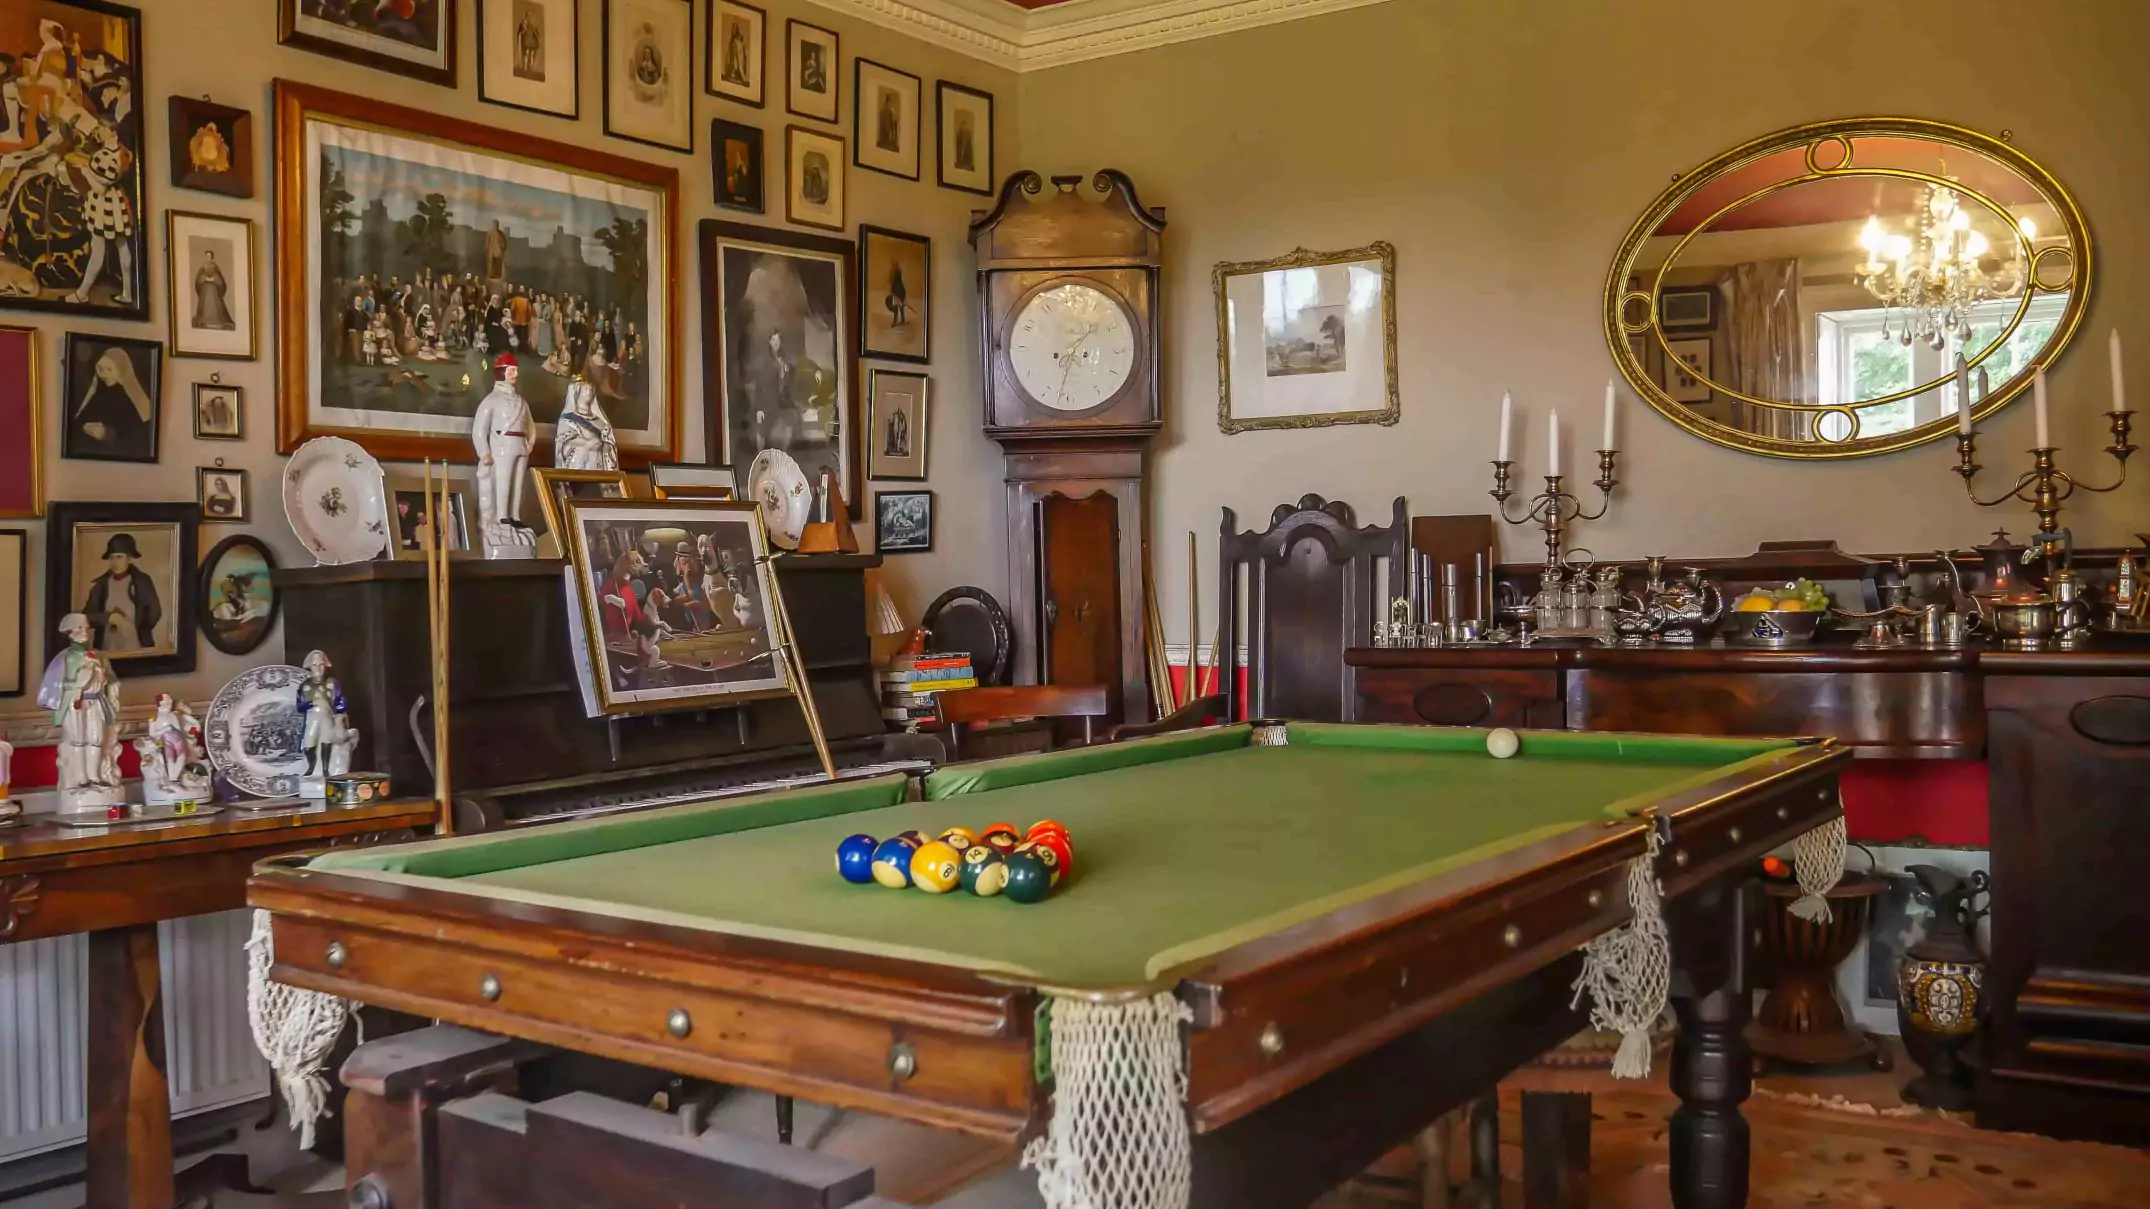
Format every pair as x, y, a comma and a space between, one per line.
1773, 628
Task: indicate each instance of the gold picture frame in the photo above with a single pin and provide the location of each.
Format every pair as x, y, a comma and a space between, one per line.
406, 512
1301, 367
554, 488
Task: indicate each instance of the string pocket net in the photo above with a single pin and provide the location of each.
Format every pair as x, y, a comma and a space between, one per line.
294, 1029
1627, 972
1118, 1135
1818, 863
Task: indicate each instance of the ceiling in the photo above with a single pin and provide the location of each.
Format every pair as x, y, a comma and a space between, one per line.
1027, 35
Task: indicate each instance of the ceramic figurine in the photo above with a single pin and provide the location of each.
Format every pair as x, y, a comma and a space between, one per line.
328, 737
500, 433
83, 695
583, 439
7, 759
175, 769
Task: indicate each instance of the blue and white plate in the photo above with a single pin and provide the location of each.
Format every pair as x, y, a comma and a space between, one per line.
254, 731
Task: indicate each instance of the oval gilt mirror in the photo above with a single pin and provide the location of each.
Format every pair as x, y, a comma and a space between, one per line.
1841, 288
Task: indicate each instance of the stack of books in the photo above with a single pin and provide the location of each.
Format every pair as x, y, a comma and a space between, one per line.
909, 683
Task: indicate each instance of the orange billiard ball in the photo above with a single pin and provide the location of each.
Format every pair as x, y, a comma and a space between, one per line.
1063, 853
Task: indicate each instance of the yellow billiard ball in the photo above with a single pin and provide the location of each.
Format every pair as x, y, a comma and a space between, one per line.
959, 838
935, 868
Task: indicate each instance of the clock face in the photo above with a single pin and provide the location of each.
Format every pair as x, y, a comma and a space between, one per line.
1072, 347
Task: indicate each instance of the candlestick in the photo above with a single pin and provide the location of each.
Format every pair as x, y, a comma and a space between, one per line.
1963, 394
1507, 421
2045, 437
2120, 390
1552, 443
1553, 508
2045, 486
1985, 385
1609, 397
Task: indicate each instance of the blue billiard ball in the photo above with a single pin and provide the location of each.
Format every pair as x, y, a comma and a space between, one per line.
854, 858
892, 862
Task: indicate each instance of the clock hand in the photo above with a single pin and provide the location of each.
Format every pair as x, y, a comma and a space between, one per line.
1067, 361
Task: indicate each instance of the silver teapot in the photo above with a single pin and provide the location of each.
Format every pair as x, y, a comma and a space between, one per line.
1681, 612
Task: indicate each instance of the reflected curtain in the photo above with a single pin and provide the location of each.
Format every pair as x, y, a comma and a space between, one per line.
1761, 337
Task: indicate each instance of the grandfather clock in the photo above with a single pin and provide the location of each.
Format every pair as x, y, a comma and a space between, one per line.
1067, 293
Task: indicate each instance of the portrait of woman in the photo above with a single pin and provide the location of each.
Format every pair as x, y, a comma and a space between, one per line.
112, 399
209, 287
211, 307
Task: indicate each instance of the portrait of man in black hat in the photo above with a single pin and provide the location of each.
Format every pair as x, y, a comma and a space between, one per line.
123, 606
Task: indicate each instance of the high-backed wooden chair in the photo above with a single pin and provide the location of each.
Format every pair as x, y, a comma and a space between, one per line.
967, 707
1310, 592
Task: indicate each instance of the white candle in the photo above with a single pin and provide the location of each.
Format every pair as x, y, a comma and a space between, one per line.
2045, 436
1507, 422
2120, 390
1552, 442
1963, 395
1609, 396
1985, 384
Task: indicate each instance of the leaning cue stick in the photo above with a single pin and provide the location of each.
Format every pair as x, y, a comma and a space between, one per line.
1153, 642
437, 642
794, 662
1194, 623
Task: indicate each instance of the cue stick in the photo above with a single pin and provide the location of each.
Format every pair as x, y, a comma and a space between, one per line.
1194, 621
1153, 642
794, 662
437, 641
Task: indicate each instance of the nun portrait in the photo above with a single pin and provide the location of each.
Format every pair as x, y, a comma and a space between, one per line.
113, 418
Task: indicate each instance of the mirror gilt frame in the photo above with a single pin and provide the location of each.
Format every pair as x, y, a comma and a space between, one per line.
1828, 151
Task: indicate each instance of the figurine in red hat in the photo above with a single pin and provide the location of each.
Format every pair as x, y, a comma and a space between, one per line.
500, 433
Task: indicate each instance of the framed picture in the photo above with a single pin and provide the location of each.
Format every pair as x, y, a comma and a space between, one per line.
678, 480
1307, 340
896, 295
884, 118
114, 398
212, 146
219, 412
1687, 370
209, 276
530, 55
22, 424
1688, 308
965, 118
221, 494
674, 605
649, 72
414, 38
776, 348
14, 610
235, 595
407, 513
564, 255
130, 569
75, 207
556, 487
735, 158
896, 425
903, 522
813, 178
732, 51
810, 66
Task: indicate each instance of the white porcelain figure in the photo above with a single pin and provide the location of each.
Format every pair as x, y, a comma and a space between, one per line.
175, 769
83, 695
583, 439
500, 433
327, 737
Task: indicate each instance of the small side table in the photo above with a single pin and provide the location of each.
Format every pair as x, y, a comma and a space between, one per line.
1800, 1022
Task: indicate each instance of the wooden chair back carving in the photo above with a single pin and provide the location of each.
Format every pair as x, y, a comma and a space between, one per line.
966, 707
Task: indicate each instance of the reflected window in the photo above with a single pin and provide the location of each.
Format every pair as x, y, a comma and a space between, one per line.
1862, 356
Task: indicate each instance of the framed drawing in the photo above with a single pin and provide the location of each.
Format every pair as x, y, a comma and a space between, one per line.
896, 295
777, 308
735, 158
219, 412
1687, 308
1307, 340
563, 255
74, 212
130, 569
813, 178
209, 282
964, 117
530, 55
732, 42
649, 73
14, 610
114, 395
896, 425
22, 424
407, 513
884, 118
236, 594
810, 65
674, 604
902, 522
212, 146
678, 480
220, 492
1687, 370
414, 38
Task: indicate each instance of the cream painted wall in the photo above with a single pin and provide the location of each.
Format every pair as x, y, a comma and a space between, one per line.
1505, 149
227, 49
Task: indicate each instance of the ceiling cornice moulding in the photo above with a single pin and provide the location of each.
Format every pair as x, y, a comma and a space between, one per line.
1077, 30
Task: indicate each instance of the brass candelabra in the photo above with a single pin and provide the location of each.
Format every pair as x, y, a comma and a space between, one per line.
1553, 508
2045, 486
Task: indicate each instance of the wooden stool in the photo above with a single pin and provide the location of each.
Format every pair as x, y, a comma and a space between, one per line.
1800, 1021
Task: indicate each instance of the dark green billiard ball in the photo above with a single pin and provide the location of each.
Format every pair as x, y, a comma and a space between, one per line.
985, 870
1029, 880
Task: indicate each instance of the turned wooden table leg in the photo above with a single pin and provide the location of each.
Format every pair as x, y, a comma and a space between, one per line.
1712, 1066
1432, 1146
130, 1134
1556, 1150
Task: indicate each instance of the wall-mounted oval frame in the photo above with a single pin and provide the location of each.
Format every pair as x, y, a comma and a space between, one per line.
1633, 303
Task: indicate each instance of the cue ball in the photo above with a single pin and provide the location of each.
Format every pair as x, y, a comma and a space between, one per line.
1501, 743
854, 859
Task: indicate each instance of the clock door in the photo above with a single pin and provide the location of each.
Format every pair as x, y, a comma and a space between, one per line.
1079, 590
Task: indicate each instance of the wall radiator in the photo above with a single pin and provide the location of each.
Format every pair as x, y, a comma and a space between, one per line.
44, 1005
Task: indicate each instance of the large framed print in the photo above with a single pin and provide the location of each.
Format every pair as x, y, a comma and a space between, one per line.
22, 424
530, 55
14, 610
74, 213
1307, 340
440, 244
414, 38
674, 604
649, 72
130, 569
777, 308
209, 274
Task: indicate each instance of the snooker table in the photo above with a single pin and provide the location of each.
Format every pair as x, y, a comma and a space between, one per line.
1367, 926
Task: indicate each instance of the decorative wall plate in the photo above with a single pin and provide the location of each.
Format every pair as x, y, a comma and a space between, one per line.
336, 502
779, 488
253, 731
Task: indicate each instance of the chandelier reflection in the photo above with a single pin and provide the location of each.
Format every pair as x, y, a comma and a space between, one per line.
1931, 277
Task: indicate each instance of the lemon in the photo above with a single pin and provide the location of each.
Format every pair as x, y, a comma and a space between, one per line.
1794, 605
1756, 604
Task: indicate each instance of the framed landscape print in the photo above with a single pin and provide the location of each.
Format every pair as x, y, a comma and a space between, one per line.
896, 297
212, 146
884, 118
220, 492
441, 244
732, 42
1307, 340
902, 522
14, 610
236, 595
219, 412
114, 396
74, 234
414, 38
777, 309
813, 178
530, 55
810, 70
22, 424
130, 569
649, 72
209, 273
896, 425
735, 157
964, 117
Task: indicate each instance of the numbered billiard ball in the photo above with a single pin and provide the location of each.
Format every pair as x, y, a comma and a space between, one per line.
935, 868
1029, 880
1063, 862
959, 838
854, 858
1042, 826
914, 835
985, 870
1043, 855
1004, 836
892, 862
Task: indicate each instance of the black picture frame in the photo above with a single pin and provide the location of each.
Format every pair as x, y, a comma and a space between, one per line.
185, 116
242, 638
288, 34
1687, 308
78, 369
238, 411
234, 477
751, 195
875, 294
64, 517
833, 68
574, 110
905, 545
859, 67
605, 82
19, 676
941, 89
710, 75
